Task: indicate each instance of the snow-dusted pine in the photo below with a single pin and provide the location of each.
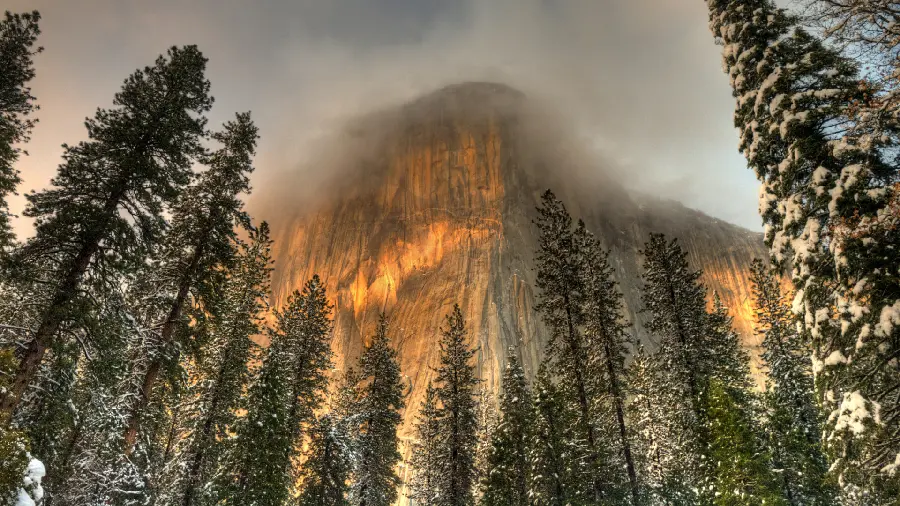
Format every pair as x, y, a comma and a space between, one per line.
830, 202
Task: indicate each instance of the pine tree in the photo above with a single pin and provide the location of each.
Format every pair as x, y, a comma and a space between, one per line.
94, 470
427, 458
653, 457
507, 478
742, 472
288, 390
606, 333
561, 304
344, 406
792, 421
487, 426
104, 206
327, 469
829, 200
199, 243
457, 395
737, 445
224, 369
552, 456
375, 479
18, 34
676, 302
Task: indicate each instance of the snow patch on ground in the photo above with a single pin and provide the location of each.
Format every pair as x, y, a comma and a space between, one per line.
31, 492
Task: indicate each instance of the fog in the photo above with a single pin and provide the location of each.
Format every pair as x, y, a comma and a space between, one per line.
638, 81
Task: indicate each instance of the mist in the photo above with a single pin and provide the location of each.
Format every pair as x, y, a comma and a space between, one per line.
639, 82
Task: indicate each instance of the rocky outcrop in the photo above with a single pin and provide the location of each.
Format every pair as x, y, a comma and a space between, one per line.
440, 212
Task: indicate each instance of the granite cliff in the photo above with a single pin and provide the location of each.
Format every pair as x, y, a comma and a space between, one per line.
439, 211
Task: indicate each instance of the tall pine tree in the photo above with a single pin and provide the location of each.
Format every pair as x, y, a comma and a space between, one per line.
199, 244
427, 453
792, 420
507, 480
103, 208
18, 34
829, 201
224, 371
561, 304
676, 302
282, 401
606, 332
457, 394
375, 480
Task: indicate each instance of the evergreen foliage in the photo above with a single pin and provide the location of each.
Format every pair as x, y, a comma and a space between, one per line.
506, 482
223, 371
676, 302
18, 34
791, 421
199, 245
742, 472
375, 480
327, 469
427, 458
823, 149
282, 400
103, 209
553, 446
457, 394
654, 459
560, 278
606, 333
487, 426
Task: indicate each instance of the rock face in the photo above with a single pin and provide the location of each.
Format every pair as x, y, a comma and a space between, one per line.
439, 211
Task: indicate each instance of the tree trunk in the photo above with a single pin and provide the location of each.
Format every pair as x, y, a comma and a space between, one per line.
583, 403
168, 331
199, 454
55, 313
620, 417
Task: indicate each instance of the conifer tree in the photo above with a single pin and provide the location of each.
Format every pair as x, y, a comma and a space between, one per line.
224, 369
487, 426
456, 392
561, 304
829, 201
18, 34
742, 472
344, 408
326, 469
507, 480
605, 330
281, 402
427, 458
94, 470
792, 421
103, 208
676, 302
552, 456
198, 245
652, 449
374, 478
737, 444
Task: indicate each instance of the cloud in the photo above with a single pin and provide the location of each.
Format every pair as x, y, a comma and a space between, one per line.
639, 80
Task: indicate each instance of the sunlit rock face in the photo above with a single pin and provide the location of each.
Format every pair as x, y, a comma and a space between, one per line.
440, 210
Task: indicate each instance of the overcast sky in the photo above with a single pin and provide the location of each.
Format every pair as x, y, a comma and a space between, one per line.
640, 79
